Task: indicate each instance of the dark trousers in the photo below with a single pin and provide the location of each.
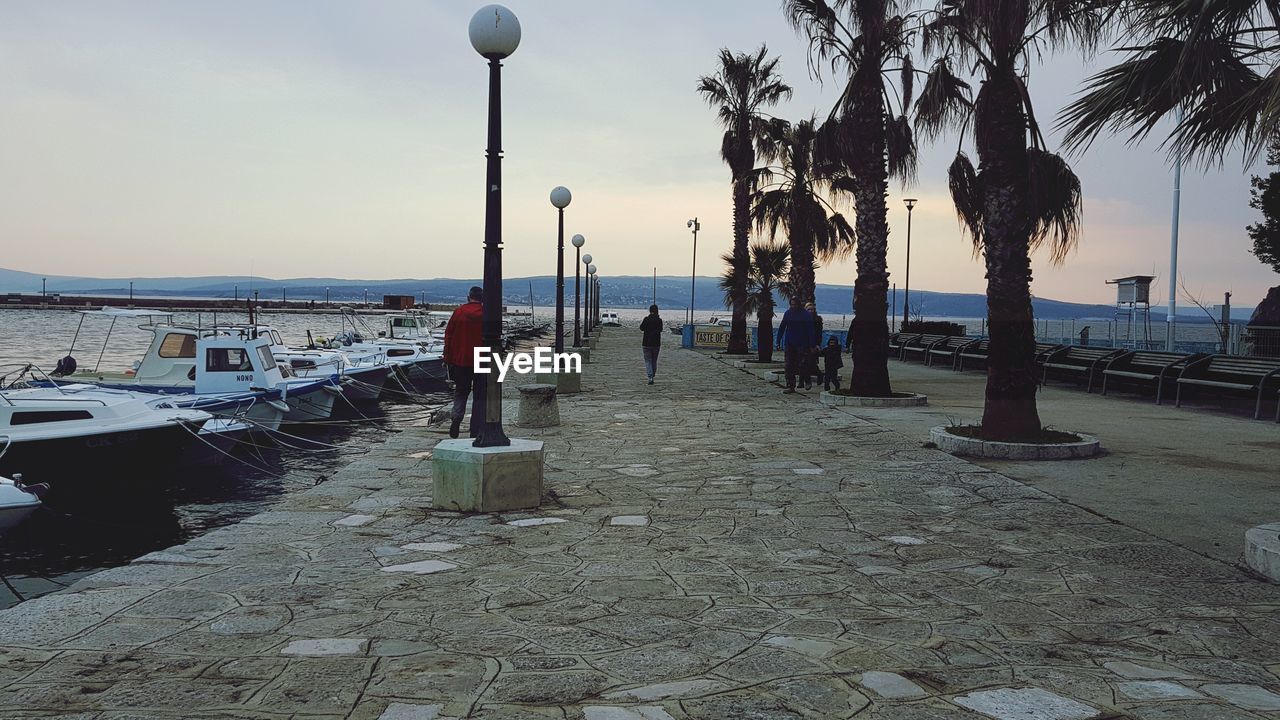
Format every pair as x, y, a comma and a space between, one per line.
466, 382
651, 360
831, 376
793, 360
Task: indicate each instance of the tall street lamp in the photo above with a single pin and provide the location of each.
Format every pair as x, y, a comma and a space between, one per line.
578, 242
326, 296
906, 290
586, 298
495, 34
595, 299
560, 198
130, 289
692, 273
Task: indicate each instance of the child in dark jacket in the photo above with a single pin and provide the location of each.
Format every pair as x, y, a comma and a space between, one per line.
832, 362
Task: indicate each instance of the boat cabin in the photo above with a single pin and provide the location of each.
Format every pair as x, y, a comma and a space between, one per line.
207, 360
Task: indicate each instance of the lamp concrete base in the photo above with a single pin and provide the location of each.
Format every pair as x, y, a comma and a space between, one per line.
584, 352
565, 382
1262, 550
492, 479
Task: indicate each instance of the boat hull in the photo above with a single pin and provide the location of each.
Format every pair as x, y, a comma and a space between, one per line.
103, 458
365, 385
312, 406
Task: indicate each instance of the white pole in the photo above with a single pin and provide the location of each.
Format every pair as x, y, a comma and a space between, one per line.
1172, 315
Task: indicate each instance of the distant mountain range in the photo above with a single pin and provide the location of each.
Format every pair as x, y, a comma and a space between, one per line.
618, 291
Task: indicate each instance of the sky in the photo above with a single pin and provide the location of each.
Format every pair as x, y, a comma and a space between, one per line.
346, 139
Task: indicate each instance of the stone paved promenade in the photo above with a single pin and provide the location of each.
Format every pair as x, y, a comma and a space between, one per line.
711, 549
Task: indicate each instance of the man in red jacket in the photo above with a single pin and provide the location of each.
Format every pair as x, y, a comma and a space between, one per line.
462, 335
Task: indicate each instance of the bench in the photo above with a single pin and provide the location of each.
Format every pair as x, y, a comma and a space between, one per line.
949, 348
1228, 372
1146, 366
1075, 360
976, 351
898, 339
921, 344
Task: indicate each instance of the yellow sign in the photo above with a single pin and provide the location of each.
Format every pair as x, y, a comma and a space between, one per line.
710, 336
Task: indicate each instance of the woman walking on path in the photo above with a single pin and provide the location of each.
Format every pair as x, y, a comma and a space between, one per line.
795, 334
652, 328
462, 335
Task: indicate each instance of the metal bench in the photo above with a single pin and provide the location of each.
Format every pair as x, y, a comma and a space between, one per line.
1146, 366
949, 348
921, 344
1076, 360
897, 340
1229, 372
976, 351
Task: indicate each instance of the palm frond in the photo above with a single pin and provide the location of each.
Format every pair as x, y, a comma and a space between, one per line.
900, 148
1053, 203
967, 195
945, 101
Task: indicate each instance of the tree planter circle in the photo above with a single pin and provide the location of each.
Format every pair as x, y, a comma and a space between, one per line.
1087, 446
899, 400
1262, 550
756, 365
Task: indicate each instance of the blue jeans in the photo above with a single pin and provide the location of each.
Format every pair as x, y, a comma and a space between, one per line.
651, 361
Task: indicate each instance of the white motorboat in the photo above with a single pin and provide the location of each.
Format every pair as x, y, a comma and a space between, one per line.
215, 369
17, 502
609, 318
417, 353
74, 431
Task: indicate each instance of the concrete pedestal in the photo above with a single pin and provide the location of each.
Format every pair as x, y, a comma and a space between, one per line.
584, 352
492, 479
538, 407
565, 383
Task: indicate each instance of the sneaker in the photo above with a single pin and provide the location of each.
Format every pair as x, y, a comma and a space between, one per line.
453, 428
650, 381
788, 391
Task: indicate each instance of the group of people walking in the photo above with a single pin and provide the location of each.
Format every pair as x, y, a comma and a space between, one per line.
800, 334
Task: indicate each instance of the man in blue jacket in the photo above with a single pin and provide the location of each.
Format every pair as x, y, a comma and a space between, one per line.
797, 329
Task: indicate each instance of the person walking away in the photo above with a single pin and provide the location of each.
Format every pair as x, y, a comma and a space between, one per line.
831, 364
652, 327
462, 335
795, 334
812, 369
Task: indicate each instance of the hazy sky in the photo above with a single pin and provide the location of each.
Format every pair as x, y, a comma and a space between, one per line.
328, 138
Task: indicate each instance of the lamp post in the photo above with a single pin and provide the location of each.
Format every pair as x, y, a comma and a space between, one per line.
560, 198
906, 290
578, 242
366, 297
594, 320
130, 289
586, 298
692, 273
495, 34
43, 286
236, 293
326, 296
284, 296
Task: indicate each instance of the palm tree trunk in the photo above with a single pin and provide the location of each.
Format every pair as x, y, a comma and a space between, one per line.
801, 243
870, 374
764, 334
742, 267
1010, 410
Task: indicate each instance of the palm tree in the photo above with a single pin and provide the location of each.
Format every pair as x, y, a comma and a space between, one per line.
862, 40
769, 263
793, 194
1212, 65
1021, 196
742, 86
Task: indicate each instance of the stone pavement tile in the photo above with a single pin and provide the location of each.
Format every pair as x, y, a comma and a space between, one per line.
639, 712
422, 567
406, 711
1127, 669
1156, 690
326, 646
890, 686
669, 690
1190, 711
1245, 696
1025, 704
